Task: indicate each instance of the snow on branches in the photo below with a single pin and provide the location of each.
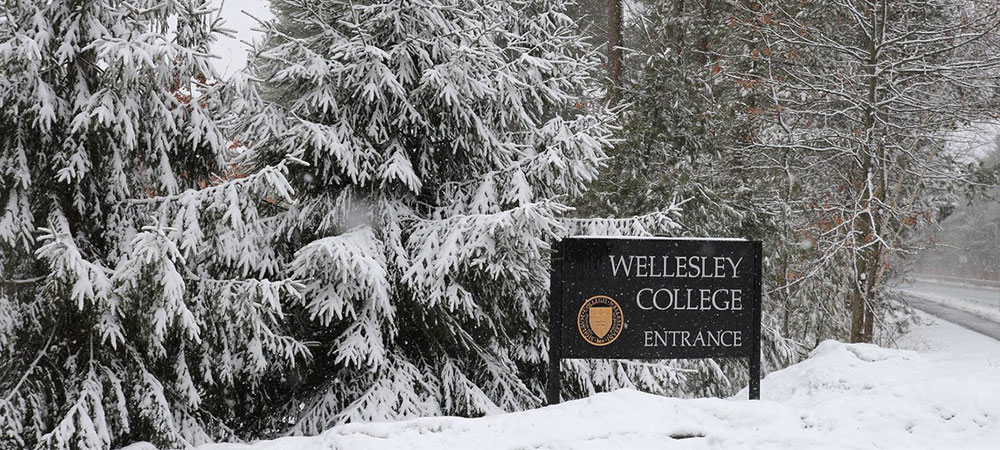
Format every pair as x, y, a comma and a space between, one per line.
442, 145
133, 282
378, 250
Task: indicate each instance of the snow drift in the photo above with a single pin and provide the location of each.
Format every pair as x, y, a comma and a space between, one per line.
844, 396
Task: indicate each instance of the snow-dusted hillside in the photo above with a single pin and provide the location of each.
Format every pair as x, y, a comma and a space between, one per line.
843, 397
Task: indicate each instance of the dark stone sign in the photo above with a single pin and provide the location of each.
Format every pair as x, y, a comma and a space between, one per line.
655, 298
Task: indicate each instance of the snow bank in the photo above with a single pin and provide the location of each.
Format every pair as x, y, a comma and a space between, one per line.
933, 334
844, 396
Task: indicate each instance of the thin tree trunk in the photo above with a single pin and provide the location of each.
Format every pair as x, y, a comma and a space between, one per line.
615, 41
706, 45
857, 315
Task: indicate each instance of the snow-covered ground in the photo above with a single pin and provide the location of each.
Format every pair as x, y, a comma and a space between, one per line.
941, 390
934, 335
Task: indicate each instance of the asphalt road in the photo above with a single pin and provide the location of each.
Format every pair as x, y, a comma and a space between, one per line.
968, 320
984, 296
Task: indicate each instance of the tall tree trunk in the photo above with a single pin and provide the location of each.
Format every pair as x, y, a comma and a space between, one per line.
862, 314
706, 45
615, 41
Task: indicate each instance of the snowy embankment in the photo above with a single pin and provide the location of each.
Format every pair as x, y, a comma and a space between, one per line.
944, 394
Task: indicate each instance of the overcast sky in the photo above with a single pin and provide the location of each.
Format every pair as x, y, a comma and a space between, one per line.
233, 52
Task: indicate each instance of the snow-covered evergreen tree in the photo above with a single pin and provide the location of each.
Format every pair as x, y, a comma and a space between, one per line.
443, 140
131, 304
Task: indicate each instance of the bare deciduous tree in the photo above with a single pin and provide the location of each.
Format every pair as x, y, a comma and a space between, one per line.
862, 94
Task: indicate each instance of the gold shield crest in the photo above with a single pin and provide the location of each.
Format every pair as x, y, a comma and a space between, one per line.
600, 320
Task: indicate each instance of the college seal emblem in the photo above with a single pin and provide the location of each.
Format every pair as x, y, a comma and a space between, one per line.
600, 320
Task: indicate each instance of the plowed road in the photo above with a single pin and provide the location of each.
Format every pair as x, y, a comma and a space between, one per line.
976, 299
